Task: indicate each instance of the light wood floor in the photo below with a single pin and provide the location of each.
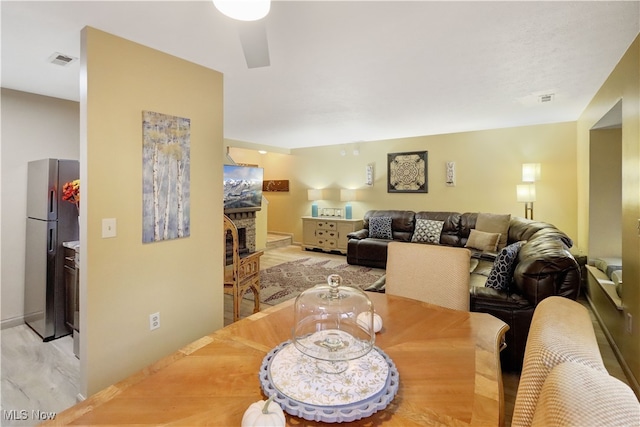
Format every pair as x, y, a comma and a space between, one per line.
44, 376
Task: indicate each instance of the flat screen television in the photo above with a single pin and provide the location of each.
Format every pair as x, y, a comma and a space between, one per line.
242, 188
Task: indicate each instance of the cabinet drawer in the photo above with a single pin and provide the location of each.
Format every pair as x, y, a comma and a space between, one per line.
327, 243
327, 225
69, 257
326, 234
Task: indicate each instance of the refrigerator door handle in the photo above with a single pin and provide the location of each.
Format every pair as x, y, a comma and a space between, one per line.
51, 238
52, 201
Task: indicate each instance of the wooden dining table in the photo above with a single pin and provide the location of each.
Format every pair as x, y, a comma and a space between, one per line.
447, 360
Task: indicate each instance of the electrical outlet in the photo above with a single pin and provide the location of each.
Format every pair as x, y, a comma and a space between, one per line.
629, 323
154, 321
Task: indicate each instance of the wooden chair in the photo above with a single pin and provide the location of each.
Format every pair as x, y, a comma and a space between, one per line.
430, 273
242, 274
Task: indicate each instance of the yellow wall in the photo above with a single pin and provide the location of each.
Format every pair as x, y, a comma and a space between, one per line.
488, 168
605, 193
122, 280
623, 83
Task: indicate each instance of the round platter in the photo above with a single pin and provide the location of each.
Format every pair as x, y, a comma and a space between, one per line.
367, 386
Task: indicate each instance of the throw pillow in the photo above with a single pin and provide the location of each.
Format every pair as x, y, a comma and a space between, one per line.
427, 231
616, 276
608, 265
482, 241
502, 271
495, 223
380, 227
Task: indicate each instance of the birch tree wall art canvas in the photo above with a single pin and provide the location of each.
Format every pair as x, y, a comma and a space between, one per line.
165, 177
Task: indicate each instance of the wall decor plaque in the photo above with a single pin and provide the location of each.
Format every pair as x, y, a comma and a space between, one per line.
275, 185
407, 172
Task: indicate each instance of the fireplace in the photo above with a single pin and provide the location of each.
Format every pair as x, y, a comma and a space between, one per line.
245, 222
242, 241
242, 244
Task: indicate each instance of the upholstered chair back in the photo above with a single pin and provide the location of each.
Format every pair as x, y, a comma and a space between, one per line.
431, 273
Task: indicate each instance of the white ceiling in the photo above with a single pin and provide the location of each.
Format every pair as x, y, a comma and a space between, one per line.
351, 71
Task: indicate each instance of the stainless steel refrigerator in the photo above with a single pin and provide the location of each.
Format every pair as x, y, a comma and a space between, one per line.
50, 222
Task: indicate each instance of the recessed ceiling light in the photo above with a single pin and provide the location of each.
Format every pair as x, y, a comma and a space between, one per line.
62, 59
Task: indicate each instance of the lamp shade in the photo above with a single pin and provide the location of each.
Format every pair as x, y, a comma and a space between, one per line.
530, 172
314, 194
526, 192
347, 195
243, 10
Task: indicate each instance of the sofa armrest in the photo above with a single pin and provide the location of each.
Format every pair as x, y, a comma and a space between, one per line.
359, 235
546, 268
512, 309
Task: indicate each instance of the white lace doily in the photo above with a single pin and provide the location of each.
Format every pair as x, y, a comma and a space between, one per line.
368, 385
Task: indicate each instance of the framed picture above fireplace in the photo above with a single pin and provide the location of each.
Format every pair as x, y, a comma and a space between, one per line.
242, 188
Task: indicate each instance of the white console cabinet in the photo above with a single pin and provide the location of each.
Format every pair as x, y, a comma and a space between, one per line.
328, 233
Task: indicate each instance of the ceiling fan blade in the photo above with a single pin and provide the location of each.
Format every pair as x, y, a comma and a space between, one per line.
253, 37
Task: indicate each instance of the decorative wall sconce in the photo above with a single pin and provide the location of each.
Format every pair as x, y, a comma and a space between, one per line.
369, 175
526, 193
314, 195
347, 196
451, 174
530, 172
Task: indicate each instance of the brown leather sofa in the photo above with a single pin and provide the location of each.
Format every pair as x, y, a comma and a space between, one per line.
544, 267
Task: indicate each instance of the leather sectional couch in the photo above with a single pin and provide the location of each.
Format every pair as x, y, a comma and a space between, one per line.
543, 267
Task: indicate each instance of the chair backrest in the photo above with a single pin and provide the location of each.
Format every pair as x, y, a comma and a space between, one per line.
577, 395
561, 331
230, 228
431, 273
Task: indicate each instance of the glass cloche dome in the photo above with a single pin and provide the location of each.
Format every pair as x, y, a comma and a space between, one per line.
333, 324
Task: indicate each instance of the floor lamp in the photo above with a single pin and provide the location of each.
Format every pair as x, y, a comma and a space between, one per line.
526, 193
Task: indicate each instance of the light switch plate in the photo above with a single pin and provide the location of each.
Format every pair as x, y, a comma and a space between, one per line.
108, 227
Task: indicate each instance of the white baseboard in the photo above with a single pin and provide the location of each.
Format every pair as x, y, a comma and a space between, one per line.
10, 323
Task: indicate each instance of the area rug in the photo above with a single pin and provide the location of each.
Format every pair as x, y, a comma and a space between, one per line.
285, 281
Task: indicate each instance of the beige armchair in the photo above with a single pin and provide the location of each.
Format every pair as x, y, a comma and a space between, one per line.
430, 273
561, 331
577, 395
